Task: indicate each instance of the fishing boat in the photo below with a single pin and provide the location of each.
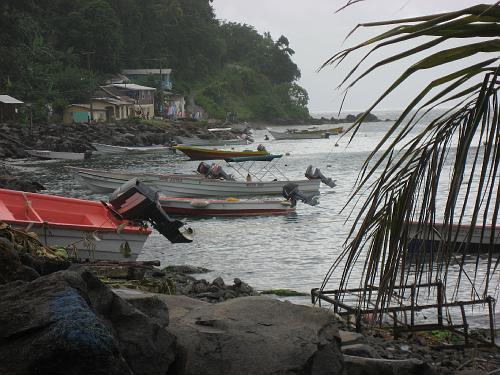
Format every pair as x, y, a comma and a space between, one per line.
200, 153
196, 141
110, 149
46, 154
204, 185
463, 238
87, 229
225, 207
306, 134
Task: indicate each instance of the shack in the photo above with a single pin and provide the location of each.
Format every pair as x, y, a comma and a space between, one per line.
9, 107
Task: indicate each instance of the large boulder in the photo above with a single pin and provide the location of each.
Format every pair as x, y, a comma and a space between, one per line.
253, 335
70, 323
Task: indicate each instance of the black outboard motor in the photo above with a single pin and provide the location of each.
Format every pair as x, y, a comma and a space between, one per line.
318, 175
136, 201
292, 193
214, 171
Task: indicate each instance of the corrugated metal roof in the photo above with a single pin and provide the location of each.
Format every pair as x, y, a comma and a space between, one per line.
141, 72
6, 99
133, 86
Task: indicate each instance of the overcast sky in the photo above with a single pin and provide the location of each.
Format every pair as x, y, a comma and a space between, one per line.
315, 32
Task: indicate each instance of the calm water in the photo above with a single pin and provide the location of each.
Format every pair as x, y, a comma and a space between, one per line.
267, 252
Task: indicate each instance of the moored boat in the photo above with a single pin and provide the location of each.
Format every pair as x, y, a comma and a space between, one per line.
46, 154
200, 153
110, 149
190, 186
196, 141
462, 238
306, 134
87, 229
226, 207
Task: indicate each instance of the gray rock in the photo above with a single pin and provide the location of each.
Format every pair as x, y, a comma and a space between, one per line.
151, 304
186, 269
11, 268
360, 350
350, 338
371, 366
254, 335
219, 282
70, 323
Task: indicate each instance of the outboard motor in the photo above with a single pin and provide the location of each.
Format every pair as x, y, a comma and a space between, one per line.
292, 193
318, 175
203, 168
136, 201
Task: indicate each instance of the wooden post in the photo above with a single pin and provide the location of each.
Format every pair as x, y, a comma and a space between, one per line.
440, 303
492, 325
412, 312
466, 326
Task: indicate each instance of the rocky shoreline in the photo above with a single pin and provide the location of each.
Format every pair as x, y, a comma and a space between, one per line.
15, 137
134, 318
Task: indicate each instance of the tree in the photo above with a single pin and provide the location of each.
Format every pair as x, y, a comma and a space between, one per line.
406, 185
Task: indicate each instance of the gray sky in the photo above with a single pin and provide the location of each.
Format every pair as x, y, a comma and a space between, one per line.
315, 33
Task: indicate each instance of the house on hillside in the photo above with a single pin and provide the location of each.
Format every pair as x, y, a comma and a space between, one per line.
108, 104
143, 97
9, 107
141, 75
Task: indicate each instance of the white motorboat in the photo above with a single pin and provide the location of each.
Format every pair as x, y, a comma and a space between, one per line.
46, 154
198, 185
110, 149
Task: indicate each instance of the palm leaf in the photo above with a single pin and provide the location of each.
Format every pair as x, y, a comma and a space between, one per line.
399, 187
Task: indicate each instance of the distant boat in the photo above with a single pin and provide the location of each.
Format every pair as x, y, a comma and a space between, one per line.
308, 134
196, 141
110, 149
482, 238
226, 207
86, 227
199, 153
46, 154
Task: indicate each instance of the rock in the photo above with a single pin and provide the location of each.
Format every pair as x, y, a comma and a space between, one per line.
219, 282
371, 366
186, 269
11, 268
360, 350
253, 335
69, 322
350, 338
151, 304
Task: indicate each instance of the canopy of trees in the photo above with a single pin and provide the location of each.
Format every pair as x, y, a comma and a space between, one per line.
53, 51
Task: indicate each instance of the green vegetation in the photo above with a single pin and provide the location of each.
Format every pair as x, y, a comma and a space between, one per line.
284, 293
56, 51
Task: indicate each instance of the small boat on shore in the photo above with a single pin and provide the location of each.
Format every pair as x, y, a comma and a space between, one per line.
482, 239
225, 207
110, 149
200, 153
87, 229
46, 154
196, 141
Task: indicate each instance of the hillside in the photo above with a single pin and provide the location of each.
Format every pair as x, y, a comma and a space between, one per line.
54, 51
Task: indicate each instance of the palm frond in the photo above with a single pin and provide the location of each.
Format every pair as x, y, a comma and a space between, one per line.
412, 184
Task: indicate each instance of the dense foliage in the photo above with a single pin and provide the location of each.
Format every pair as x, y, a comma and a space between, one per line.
54, 51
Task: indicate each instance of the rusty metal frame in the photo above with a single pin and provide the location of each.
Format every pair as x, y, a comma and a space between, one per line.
343, 309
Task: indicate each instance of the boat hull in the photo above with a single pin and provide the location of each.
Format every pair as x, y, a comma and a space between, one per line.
190, 186
459, 236
187, 141
198, 153
45, 154
110, 149
299, 135
87, 229
229, 207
